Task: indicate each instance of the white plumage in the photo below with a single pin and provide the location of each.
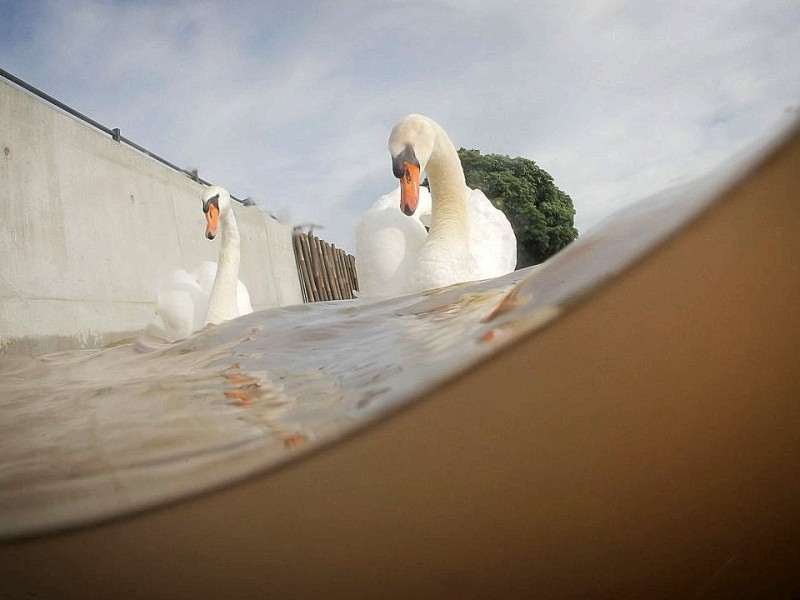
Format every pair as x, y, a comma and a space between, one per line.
212, 292
469, 238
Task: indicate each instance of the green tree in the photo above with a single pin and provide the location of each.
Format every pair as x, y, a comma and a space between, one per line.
541, 215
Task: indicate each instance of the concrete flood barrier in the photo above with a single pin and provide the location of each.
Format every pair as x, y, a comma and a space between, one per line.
90, 225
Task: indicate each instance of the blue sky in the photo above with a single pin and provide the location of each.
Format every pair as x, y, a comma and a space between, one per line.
292, 102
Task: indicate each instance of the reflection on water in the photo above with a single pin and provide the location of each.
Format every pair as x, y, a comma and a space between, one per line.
90, 434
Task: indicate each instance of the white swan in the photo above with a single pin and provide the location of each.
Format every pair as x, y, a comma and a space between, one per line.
212, 293
469, 238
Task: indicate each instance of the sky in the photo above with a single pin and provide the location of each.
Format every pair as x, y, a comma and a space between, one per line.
291, 103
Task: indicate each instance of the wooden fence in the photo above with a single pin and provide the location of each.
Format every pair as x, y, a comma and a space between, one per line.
326, 272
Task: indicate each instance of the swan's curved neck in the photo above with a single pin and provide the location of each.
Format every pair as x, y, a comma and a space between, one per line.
222, 301
449, 211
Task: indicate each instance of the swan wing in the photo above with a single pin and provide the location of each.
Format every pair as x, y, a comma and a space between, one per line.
204, 274
388, 244
492, 240
180, 307
243, 299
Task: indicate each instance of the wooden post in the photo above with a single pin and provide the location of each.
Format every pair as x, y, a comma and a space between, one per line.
315, 291
319, 269
347, 283
352, 263
305, 284
330, 272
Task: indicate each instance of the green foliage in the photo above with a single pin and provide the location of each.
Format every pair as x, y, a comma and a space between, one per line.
541, 215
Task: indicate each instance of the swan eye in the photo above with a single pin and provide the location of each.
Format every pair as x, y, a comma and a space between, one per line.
213, 200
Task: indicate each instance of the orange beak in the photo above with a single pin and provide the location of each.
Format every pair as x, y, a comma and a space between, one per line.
212, 220
409, 188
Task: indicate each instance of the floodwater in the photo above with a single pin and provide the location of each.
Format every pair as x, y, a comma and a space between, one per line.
90, 434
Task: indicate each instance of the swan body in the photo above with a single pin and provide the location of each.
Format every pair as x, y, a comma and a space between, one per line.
469, 238
388, 244
212, 292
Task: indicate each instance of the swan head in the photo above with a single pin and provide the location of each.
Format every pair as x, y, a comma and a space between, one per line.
411, 146
216, 202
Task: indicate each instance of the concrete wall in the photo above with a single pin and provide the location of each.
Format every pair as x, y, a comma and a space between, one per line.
89, 225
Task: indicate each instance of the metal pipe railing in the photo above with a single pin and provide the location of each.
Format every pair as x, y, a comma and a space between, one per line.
114, 133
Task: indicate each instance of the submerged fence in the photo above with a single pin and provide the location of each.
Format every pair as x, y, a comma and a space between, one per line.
326, 272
